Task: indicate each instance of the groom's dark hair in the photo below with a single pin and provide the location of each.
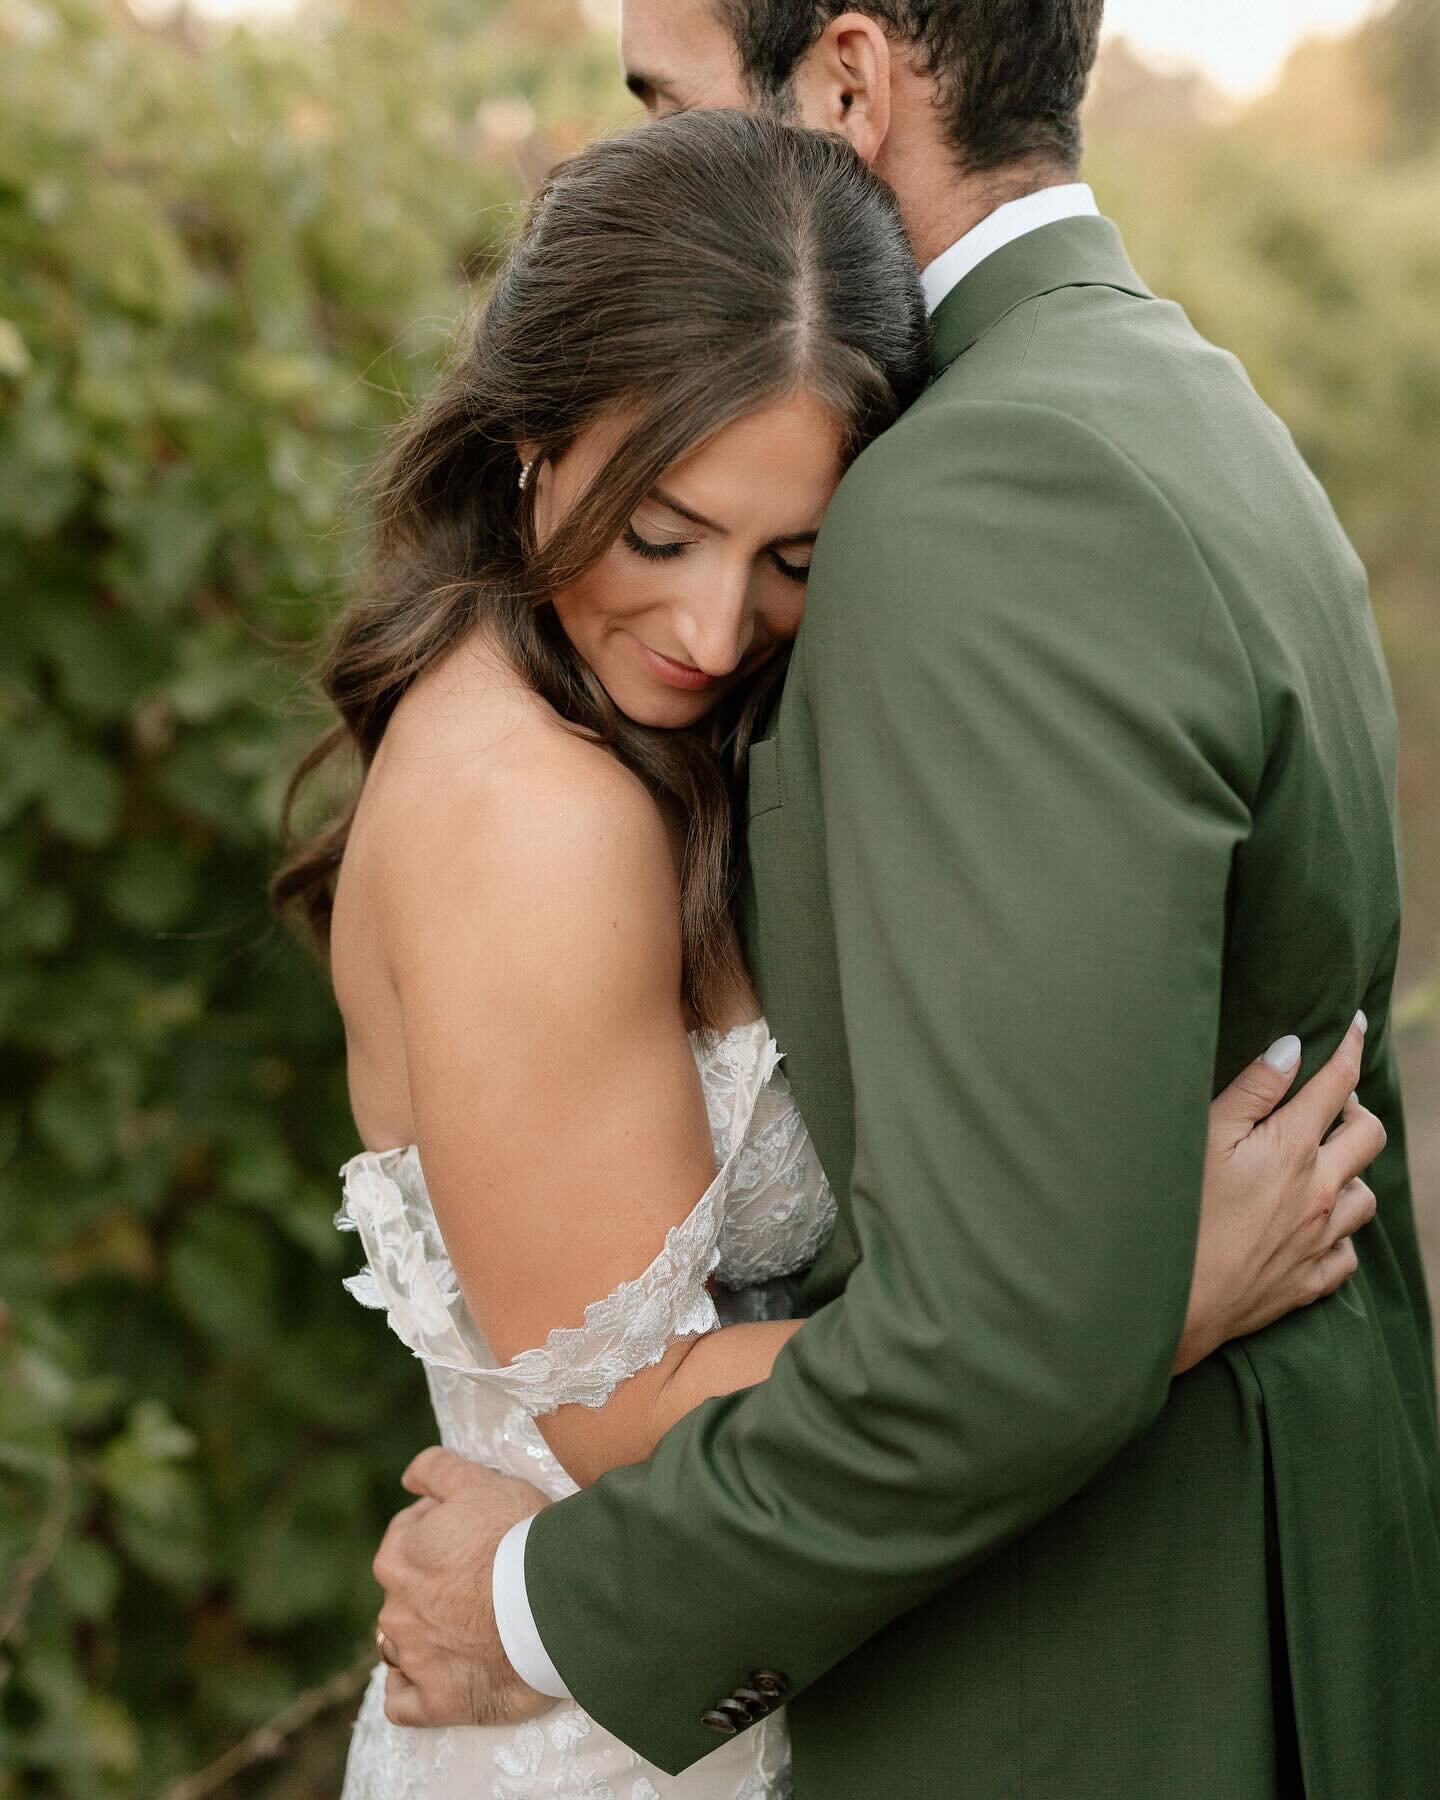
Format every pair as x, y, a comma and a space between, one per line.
1011, 74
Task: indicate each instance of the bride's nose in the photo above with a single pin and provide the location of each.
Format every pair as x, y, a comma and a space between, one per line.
717, 626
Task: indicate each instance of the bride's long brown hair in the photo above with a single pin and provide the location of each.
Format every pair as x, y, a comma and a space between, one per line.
678, 277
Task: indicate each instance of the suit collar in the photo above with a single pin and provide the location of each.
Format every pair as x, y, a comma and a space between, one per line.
1079, 252
1068, 200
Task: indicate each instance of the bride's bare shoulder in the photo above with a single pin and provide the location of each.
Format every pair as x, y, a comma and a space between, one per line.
470, 733
481, 785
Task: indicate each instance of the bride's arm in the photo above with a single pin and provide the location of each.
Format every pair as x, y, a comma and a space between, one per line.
532, 931
1273, 1238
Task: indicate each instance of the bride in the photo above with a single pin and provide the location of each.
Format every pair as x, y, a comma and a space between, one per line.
582, 1158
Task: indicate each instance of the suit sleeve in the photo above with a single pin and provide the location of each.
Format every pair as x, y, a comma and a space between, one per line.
1037, 737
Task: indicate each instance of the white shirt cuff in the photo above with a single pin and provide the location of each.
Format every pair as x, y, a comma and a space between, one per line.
514, 1620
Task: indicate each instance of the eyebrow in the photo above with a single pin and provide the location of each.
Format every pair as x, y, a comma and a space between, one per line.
685, 512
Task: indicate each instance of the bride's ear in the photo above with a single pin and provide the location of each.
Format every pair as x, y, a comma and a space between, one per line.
843, 83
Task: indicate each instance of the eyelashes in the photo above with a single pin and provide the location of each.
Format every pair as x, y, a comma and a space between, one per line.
667, 552
652, 552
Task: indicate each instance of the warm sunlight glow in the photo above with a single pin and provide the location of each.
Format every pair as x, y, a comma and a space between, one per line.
1240, 46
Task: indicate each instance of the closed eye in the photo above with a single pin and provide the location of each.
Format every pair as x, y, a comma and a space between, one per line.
651, 551
796, 571
642, 90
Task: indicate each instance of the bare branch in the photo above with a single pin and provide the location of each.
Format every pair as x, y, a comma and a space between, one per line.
269, 1739
34, 1565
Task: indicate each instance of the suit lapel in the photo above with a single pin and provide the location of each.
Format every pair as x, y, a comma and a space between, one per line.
1084, 252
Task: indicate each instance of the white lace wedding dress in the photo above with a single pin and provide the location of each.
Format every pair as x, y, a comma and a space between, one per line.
763, 1218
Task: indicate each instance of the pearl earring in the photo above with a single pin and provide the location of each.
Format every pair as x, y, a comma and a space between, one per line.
525, 473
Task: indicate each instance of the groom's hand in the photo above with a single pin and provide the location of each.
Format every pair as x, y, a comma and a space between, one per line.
437, 1626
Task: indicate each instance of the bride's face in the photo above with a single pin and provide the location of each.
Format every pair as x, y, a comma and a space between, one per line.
707, 581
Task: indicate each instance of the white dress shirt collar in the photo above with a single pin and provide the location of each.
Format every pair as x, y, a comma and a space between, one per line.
1072, 200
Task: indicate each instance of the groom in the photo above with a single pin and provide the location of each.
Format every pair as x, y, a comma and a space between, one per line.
1083, 775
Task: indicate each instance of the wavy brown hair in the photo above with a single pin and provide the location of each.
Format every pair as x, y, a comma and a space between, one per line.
676, 278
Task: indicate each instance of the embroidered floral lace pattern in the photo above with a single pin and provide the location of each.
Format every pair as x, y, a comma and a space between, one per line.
778, 1209
763, 1218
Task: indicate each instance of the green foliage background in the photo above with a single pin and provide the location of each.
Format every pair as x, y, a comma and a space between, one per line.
227, 262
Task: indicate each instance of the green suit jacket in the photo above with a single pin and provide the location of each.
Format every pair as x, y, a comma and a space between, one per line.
1081, 792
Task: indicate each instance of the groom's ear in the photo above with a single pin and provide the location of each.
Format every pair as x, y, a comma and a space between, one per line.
843, 82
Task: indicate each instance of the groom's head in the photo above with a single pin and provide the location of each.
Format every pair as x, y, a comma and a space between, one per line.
997, 84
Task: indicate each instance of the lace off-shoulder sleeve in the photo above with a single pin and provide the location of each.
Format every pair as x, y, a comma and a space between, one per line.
411, 1278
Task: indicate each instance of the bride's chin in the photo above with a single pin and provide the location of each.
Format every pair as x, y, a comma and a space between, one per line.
665, 714
664, 710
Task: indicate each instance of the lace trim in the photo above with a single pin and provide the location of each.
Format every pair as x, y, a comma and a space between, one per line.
411, 1278
735, 1069
779, 1209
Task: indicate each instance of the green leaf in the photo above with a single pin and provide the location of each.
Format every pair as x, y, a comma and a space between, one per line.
29, 761
151, 885
140, 1468
165, 539
217, 673
15, 359
170, 1551
45, 923
77, 1113
198, 780
82, 802
257, 1169
40, 478
106, 661
87, 1576
225, 1277
297, 1564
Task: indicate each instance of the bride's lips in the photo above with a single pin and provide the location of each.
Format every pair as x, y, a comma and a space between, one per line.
676, 674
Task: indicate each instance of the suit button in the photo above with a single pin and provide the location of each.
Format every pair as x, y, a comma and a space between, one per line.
719, 1721
738, 1711
774, 1687
754, 1702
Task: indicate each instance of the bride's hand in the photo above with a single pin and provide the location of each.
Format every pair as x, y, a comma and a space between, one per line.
1282, 1200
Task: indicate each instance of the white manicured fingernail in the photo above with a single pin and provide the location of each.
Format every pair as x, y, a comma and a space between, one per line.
1283, 1055
1362, 1021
